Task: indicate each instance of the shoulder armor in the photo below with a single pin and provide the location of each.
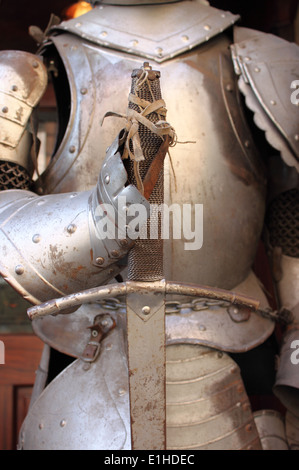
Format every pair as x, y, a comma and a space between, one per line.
23, 80
175, 27
268, 67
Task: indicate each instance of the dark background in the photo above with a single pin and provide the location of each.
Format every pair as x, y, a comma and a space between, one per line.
274, 16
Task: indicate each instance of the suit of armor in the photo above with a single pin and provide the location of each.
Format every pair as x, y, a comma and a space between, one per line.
224, 88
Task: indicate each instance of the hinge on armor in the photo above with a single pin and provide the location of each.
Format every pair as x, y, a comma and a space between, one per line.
102, 325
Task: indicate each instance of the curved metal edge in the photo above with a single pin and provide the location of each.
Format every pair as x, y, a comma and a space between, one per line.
55, 306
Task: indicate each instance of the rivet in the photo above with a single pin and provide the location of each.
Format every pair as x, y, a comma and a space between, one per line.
100, 260
40, 426
257, 69
71, 228
273, 102
86, 366
35, 64
14, 88
73, 195
296, 136
36, 238
245, 406
83, 91
108, 347
134, 42
78, 25
233, 370
72, 149
104, 34
146, 310
41, 202
247, 143
220, 354
123, 242
94, 333
19, 269
62, 423
235, 310
115, 253
202, 328
5, 109
159, 51
185, 38
248, 427
229, 87
122, 391
207, 27
107, 179
247, 59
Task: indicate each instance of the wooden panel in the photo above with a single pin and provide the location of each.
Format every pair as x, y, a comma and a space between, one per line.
17, 376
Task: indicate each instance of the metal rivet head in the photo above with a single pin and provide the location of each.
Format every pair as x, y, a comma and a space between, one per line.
159, 51
229, 87
257, 69
71, 228
100, 260
14, 88
146, 310
115, 253
5, 109
248, 427
72, 149
273, 102
134, 42
104, 34
247, 143
78, 25
19, 269
202, 328
62, 423
83, 91
296, 136
108, 347
122, 391
207, 27
123, 243
36, 238
107, 179
94, 333
35, 64
40, 426
185, 38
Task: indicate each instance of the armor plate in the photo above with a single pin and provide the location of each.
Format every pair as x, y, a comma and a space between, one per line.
191, 23
221, 153
269, 65
207, 407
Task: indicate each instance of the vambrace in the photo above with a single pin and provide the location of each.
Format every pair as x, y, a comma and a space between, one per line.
58, 244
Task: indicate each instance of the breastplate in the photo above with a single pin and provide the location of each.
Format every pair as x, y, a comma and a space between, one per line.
215, 164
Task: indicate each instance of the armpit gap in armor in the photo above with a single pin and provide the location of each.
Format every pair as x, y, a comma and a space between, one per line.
282, 221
